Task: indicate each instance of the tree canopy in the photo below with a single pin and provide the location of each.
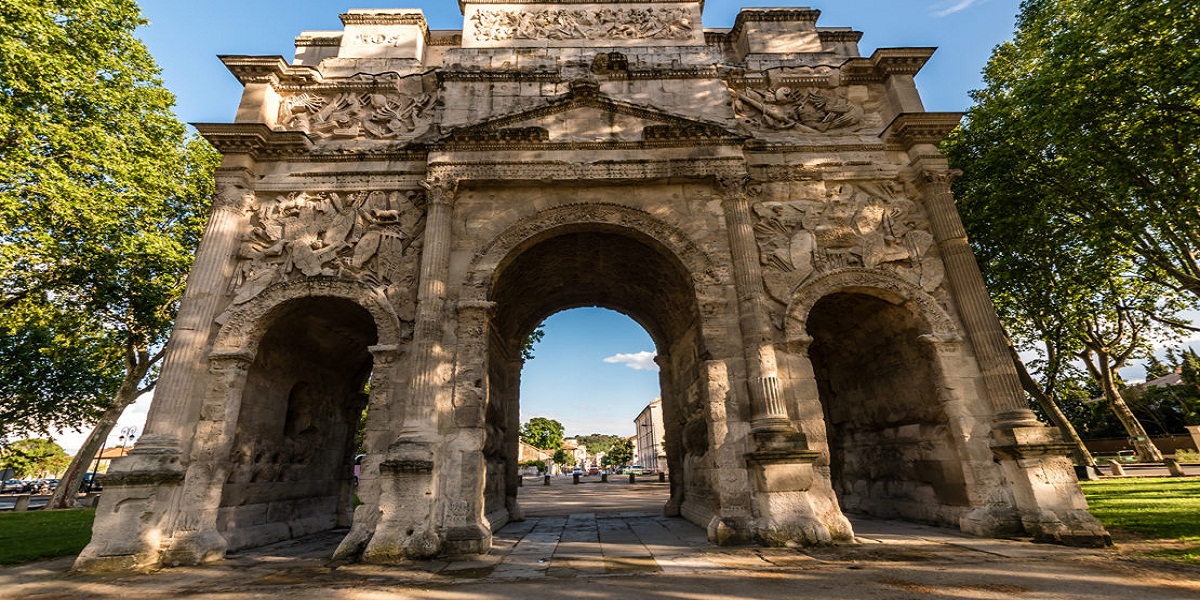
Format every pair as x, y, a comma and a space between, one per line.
34, 457
103, 198
542, 433
1092, 112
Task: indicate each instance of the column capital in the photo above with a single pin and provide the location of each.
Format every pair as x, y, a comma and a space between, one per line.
797, 345
938, 176
440, 191
233, 194
733, 186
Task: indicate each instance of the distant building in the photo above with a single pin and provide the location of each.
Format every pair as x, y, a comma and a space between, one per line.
578, 451
649, 451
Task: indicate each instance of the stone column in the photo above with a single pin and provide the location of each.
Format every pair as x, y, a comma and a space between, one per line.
974, 304
409, 525
1033, 458
140, 498
428, 355
768, 411
173, 409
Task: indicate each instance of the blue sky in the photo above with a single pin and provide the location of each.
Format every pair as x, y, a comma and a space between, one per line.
593, 371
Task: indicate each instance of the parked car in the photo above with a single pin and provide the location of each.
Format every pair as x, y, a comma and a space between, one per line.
577, 471
593, 471
12, 486
48, 485
91, 482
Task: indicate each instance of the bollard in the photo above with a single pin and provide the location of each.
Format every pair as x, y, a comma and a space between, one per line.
546, 481
22, 504
662, 477
631, 479
1117, 469
1173, 467
521, 481
575, 478
604, 478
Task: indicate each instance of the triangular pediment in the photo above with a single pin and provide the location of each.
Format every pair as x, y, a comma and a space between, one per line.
586, 116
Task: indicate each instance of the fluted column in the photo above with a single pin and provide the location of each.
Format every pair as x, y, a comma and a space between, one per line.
974, 304
428, 353
769, 412
173, 411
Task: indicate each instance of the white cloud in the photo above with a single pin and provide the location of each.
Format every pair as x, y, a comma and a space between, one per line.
638, 361
956, 7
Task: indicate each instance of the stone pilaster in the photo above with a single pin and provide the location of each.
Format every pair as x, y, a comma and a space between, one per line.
974, 304
768, 411
173, 408
1033, 458
428, 354
159, 457
380, 415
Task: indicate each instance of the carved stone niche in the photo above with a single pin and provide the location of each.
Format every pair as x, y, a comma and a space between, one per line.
492, 24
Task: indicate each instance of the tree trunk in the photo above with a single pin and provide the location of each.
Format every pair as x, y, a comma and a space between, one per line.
68, 487
1050, 407
1146, 450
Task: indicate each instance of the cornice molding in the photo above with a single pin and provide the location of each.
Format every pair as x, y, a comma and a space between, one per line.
255, 139
909, 129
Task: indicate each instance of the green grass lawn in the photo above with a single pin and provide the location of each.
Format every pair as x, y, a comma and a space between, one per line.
1162, 508
26, 536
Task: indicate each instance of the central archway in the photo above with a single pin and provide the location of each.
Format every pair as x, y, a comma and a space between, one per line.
611, 266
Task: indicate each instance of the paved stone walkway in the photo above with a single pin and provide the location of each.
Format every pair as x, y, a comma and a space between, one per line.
565, 551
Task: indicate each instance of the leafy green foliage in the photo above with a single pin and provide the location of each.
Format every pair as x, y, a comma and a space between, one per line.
34, 458
103, 199
542, 433
620, 454
564, 458
598, 442
26, 536
531, 341
1092, 114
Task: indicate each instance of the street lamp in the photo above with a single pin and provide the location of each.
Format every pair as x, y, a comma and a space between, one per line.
127, 435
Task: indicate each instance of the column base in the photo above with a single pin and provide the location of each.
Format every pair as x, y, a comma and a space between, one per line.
194, 549
793, 507
1048, 501
130, 520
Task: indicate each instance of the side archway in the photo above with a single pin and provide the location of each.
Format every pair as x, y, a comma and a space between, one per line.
892, 449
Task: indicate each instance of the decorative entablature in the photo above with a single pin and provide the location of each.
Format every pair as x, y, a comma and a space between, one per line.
884, 63
270, 69
772, 15
255, 139
910, 129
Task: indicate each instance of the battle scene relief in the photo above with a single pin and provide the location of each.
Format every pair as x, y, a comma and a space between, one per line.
839, 225
372, 237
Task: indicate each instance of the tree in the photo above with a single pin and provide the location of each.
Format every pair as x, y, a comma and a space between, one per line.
1085, 221
620, 453
564, 458
34, 457
1094, 108
103, 198
598, 442
542, 433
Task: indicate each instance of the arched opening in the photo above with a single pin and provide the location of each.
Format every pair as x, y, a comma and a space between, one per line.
292, 465
604, 266
891, 454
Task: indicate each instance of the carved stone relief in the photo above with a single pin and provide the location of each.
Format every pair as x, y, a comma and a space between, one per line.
372, 237
869, 225
560, 24
381, 115
809, 110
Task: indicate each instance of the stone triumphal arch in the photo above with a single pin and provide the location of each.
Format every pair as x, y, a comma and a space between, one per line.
398, 207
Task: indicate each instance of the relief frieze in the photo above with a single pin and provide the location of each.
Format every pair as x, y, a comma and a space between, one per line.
390, 116
808, 110
866, 225
568, 24
371, 237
